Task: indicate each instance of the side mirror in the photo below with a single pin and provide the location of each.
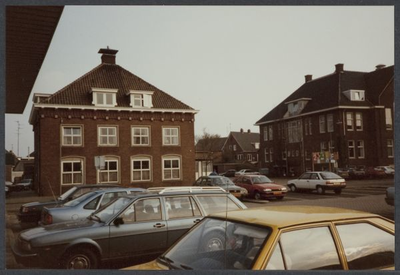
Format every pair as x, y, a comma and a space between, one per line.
118, 221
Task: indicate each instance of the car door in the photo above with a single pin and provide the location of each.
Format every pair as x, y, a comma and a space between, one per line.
303, 182
144, 230
314, 181
182, 213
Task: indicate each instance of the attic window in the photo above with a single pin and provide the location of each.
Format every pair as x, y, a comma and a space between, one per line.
104, 97
355, 95
141, 99
295, 107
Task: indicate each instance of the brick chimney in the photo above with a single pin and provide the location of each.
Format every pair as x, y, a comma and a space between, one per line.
241, 130
108, 55
339, 68
248, 131
380, 66
308, 77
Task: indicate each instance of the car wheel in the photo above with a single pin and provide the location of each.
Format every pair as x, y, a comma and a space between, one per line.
215, 242
293, 188
257, 196
80, 259
320, 190
338, 191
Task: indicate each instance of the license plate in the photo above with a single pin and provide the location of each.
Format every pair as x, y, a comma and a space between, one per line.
337, 183
236, 194
277, 193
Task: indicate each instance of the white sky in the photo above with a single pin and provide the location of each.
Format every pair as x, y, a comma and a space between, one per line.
233, 64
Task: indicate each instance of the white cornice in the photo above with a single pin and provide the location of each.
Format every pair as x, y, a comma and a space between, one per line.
321, 111
140, 92
104, 90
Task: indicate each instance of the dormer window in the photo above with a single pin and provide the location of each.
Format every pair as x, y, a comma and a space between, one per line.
355, 95
141, 99
104, 97
296, 106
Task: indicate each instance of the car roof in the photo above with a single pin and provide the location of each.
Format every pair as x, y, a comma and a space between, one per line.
98, 185
289, 215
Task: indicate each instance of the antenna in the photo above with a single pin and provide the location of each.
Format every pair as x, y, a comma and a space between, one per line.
18, 133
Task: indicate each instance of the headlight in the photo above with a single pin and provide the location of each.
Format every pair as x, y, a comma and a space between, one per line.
283, 189
267, 190
25, 209
243, 191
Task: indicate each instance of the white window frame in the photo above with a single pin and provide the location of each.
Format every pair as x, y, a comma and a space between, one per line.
239, 156
357, 95
141, 135
171, 136
322, 123
271, 154
329, 122
141, 99
72, 135
349, 121
72, 160
266, 155
104, 93
388, 119
141, 159
172, 169
108, 136
109, 159
265, 133
271, 132
359, 121
234, 147
249, 157
390, 148
360, 149
352, 148
323, 146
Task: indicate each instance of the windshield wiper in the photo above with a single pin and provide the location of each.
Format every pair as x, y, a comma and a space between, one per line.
168, 261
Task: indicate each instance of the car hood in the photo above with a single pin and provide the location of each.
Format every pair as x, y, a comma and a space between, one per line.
57, 228
268, 185
231, 187
153, 265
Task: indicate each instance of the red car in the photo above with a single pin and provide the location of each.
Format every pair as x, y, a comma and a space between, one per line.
261, 187
375, 172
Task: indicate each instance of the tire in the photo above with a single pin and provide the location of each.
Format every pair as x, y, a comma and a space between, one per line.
320, 190
215, 242
338, 191
257, 196
80, 258
293, 188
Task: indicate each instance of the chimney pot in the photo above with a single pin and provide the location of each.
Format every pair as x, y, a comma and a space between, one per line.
248, 131
339, 68
108, 55
380, 66
241, 130
308, 77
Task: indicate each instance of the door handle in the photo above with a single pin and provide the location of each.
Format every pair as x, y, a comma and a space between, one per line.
159, 225
196, 220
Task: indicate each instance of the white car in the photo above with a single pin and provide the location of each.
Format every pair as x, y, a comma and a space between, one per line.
319, 181
389, 171
246, 172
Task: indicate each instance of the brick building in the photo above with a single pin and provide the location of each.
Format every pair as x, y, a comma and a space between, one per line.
143, 136
344, 119
241, 147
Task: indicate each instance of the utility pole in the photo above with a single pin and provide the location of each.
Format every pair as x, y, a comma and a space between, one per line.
18, 133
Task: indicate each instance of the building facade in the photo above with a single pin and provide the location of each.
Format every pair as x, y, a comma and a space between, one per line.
110, 126
344, 119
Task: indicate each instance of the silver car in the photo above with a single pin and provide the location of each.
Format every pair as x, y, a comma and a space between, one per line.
84, 205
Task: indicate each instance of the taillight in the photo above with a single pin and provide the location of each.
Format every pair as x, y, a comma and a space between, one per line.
329, 182
48, 219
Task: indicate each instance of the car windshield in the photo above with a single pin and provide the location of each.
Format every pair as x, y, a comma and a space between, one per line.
261, 179
223, 181
80, 199
217, 244
67, 194
329, 176
107, 211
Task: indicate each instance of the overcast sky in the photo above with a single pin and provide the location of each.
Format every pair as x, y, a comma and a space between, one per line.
233, 64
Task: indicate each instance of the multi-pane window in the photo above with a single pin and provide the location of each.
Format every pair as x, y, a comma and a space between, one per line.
323, 146
360, 149
359, 122
329, 120
266, 153
72, 171
249, 157
141, 169
308, 126
107, 136
234, 147
72, 136
352, 151
171, 136
271, 154
265, 133
390, 151
388, 119
138, 100
295, 131
110, 172
104, 99
322, 124
271, 132
171, 168
239, 156
140, 136
349, 121
141, 99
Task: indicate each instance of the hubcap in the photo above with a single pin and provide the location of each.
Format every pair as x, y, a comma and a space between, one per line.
79, 262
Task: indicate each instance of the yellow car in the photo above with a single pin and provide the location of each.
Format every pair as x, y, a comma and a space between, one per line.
283, 238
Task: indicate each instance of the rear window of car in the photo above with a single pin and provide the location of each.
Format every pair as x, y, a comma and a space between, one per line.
329, 176
80, 199
214, 204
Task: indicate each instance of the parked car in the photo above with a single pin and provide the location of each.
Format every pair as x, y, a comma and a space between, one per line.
319, 181
246, 172
136, 225
261, 187
264, 171
84, 205
375, 172
343, 172
283, 238
230, 173
31, 212
222, 182
390, 196
389, 171
357, 172
25, 184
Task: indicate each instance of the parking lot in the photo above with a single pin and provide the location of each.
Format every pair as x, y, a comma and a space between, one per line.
364, 195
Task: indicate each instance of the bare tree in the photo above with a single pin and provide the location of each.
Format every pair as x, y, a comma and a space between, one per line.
208, 147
